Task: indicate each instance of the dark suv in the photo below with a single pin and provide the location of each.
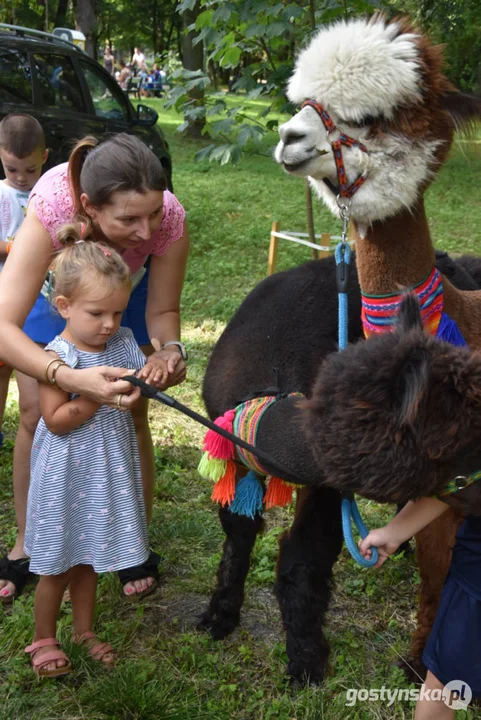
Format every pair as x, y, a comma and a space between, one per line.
70, 94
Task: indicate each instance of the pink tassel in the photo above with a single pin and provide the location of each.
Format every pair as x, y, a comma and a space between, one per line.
216, 445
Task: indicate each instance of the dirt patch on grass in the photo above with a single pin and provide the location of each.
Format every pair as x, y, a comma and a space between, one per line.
260, 615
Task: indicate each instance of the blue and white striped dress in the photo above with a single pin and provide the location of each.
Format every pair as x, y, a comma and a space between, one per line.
85, 503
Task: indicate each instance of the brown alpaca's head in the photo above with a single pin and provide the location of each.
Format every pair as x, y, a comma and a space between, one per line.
382, 84
398, 416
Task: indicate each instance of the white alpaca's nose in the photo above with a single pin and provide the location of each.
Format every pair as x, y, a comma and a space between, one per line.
289, 135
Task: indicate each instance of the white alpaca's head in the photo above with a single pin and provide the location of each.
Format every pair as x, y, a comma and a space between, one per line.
382, 84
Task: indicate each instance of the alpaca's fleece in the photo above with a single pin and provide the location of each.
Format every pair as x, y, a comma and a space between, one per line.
398, 416
359, 69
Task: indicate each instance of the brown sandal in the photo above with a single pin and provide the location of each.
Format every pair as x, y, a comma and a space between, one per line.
97, 651
46, 658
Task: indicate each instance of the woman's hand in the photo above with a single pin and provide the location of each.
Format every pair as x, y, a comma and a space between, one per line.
102, 384
384, 540
163, 369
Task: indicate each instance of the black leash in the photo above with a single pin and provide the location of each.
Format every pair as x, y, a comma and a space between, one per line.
150, 391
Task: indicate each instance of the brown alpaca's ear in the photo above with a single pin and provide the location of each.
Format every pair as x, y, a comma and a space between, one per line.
412, 385
409, 315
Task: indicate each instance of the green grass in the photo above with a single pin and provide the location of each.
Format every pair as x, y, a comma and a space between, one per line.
168, 671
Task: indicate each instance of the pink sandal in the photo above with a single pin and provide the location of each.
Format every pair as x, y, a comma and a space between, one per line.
46, 658
97, 651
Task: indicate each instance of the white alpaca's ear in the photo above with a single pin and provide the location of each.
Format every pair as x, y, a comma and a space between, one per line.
464, 109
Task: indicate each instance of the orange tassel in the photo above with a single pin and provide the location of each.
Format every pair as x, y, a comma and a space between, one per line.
224, 489
279, 493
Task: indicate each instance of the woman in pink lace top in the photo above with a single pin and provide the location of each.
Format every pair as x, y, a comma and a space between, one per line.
120, 188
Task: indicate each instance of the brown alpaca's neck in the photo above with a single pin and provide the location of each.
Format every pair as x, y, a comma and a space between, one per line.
395, 253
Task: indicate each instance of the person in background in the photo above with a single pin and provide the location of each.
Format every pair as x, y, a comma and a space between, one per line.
23, 155
124, 75
144, 79
109, 60
138, 59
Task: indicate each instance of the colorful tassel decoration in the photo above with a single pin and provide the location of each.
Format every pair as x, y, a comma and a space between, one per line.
449, 332
211, 468
248, 496
279, 493
224, 489
216, 445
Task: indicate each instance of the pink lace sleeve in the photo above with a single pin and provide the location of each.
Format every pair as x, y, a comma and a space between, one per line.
53, 201
172, 226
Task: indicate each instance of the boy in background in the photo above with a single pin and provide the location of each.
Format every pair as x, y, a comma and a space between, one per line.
22, 154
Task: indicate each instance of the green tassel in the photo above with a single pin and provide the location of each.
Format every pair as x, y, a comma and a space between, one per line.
212, 468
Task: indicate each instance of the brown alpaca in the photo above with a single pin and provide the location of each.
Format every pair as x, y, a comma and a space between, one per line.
381, 83
398, 417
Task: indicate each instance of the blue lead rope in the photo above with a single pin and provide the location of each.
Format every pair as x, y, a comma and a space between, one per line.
349, 506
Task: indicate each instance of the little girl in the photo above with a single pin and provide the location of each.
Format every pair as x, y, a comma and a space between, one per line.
86, 510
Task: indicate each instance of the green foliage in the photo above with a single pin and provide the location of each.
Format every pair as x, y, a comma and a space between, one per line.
256, 41
455, 23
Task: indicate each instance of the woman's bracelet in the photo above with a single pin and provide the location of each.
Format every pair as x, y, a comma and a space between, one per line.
52, 380
50, 362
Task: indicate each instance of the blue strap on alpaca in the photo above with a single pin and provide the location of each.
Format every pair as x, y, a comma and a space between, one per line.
349, 507
343, 259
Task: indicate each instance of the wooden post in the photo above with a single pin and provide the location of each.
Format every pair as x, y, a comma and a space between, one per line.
326, 241
274, 244
310, 220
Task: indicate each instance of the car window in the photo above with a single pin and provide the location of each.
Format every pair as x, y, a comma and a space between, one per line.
58, 82
107, 99
15, 77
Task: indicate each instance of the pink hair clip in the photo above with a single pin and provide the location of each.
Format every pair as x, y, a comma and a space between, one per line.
104, 250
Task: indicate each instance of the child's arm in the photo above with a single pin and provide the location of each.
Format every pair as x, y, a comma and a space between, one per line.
413, 517
60, 414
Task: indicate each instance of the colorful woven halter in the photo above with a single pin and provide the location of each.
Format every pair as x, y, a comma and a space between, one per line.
246, 496
380, 312
345, 190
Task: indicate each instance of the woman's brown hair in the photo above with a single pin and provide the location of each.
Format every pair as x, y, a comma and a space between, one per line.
122, 163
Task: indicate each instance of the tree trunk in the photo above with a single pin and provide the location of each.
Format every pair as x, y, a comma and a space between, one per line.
43, 17
86, 21
193, 59
154, 27
61, 14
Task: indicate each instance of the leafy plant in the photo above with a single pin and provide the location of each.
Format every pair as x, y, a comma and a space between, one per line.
255, 41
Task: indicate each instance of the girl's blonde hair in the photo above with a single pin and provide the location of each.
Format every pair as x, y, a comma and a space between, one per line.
83, 260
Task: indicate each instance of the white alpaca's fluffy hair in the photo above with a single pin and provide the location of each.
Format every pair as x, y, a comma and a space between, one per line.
359, 68
359, 71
